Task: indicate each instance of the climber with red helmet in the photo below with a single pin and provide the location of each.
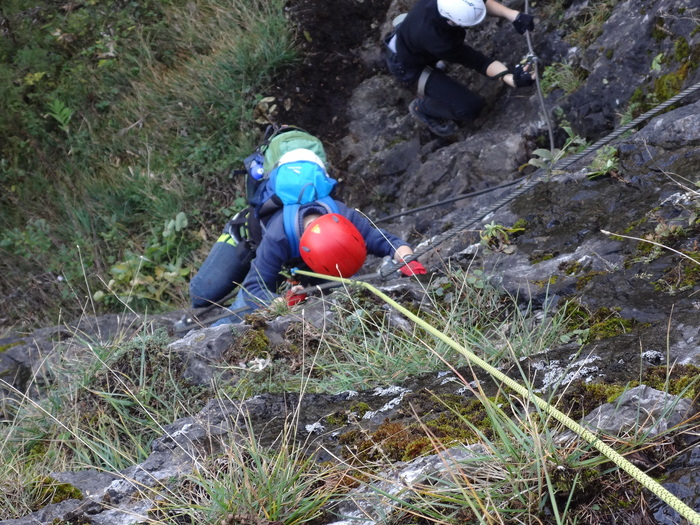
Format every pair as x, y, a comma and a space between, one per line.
330, 238
432, 33
331, 244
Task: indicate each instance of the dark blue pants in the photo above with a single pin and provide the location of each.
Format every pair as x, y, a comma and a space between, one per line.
225, 267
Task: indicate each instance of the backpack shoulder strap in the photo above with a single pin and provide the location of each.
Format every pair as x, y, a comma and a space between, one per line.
292, 227
270, 131
329, 203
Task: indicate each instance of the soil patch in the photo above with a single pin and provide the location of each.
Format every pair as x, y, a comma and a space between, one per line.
314, 93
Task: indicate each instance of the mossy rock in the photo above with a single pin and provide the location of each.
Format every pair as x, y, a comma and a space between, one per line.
49, 491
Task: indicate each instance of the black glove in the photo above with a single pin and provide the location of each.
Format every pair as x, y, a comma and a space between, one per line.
524, 22
521, 77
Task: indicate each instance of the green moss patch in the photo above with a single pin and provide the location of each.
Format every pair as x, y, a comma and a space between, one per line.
580, 398
679, 380
458, 420
5, 348
50, 491
683, 276
539, 256
600, 324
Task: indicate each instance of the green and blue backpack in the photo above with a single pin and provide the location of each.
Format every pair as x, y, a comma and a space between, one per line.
272, 186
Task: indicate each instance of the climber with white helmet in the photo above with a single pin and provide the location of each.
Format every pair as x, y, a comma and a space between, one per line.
432, 33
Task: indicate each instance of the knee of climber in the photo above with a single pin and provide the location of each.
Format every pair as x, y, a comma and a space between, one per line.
468, 110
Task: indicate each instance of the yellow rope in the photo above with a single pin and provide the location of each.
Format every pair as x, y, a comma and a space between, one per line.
646, 481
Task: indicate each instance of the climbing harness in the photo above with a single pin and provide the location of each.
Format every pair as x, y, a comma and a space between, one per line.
645, 480
423, 80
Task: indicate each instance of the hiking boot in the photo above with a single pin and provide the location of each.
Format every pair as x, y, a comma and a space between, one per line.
440, 127
185, 324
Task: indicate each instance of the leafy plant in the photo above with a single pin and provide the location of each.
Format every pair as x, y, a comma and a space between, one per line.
496, 237
547, 159
153, 276
605, 163
27, 242
656, 63
61, 113
238, 204
578, 336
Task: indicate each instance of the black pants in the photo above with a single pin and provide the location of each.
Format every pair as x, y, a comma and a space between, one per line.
444, 97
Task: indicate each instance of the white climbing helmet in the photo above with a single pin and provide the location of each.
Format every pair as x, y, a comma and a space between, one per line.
464, 13
301, 154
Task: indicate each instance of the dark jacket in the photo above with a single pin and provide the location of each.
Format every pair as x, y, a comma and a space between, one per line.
424, 37
274, 253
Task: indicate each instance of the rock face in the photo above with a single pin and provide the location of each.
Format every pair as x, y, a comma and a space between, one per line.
126, 497
563, 252
620, 61
645, 50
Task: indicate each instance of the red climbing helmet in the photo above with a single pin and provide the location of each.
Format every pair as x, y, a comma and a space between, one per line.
332, 245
